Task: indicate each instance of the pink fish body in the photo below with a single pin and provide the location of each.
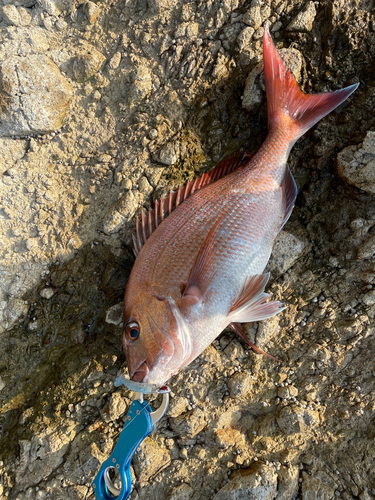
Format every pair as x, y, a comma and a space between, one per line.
201, 269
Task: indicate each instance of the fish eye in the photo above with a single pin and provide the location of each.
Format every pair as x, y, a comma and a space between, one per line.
132, 330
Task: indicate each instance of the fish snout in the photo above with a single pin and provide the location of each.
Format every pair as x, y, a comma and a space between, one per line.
140, 374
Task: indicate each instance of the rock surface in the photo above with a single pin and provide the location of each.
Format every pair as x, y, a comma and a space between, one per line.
139, 97
35, 98
259, 481
356, 164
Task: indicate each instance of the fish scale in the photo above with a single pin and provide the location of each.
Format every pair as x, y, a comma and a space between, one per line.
201, 268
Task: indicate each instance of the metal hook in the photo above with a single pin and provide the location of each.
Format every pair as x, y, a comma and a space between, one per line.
140, 422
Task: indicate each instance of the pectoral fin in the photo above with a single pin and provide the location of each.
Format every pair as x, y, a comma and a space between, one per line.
251, 304
203, 270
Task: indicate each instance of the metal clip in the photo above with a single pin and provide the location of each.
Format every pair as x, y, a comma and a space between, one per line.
114, 479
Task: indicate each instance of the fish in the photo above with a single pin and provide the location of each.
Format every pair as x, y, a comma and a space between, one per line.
201, 251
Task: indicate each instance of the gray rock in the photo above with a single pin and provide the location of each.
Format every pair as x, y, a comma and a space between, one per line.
239, 385
304, 20
15, 16
266, 330
319, 487
369, 298
52, 7
114, 408
86, 65
22, 3
16, 310
35, 96
91, 10
2, 384
367, 249
245, 37
44, 453
289, 391
47, 293
61, 25
149, 458
287, 249
141, 86
356, 165
170, 153
114, 63
252, 17
114, 315
120, 213
157, 6
177, 406
182, 492
287, 479
258, 481
189, 424
144, 186
294, 419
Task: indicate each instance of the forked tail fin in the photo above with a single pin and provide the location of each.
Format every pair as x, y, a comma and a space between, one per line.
287, 105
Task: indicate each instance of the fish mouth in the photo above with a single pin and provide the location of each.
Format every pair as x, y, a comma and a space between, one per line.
141, 373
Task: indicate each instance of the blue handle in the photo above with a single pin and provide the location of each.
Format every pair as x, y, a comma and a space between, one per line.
137, 427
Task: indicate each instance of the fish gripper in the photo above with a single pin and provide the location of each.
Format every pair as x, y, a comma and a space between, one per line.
140, 422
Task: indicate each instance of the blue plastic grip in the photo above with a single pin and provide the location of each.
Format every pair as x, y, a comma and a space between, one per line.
137, 427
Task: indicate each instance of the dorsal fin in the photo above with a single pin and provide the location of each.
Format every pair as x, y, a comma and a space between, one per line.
151, 219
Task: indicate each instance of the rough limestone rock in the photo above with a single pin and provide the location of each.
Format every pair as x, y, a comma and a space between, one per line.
114, 314
170, 153
287, 249
87, 64
35, 96
44, 453
149, 458
304, 20
92, 11
258, 481
245, 37
287, 479
52, 7
320, 486
115, 407
356, 164
367, 249
188, 424
141, 86
267, 329
239, 385
252, 17
182, 492
293, 419
15, 16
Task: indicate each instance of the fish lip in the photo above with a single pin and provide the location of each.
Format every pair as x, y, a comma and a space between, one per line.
141, 373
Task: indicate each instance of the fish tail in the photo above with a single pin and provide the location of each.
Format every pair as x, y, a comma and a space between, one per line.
287, 105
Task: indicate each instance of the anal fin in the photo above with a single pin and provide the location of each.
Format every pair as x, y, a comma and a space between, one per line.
237, 328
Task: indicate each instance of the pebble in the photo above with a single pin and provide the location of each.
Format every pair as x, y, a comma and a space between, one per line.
47, 293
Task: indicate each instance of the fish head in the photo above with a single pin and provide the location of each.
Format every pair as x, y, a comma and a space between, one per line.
156, 337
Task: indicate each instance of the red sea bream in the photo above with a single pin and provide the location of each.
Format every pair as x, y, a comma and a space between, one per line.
201, 268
